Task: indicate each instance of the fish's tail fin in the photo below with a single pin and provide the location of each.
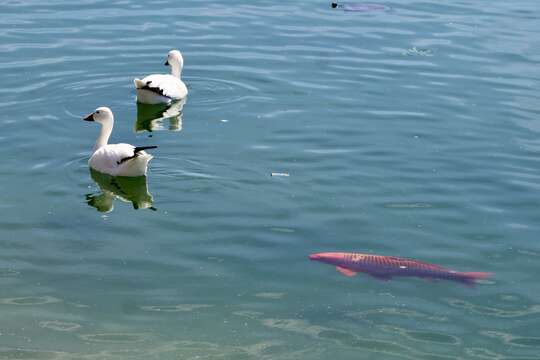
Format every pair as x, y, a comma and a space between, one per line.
470, 278
138, 83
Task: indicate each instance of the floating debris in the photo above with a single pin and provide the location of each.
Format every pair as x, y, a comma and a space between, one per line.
414, 51
280, 174
360, 7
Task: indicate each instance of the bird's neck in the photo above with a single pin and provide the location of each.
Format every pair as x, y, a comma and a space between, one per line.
176, 70
103, 138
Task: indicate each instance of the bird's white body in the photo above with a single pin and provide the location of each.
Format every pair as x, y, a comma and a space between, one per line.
115, 159
106, 160
163, 88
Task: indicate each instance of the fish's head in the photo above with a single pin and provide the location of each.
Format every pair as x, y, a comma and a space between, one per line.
328, 257
315, 257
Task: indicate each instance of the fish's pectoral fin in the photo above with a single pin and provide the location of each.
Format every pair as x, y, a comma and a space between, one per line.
346, 271
381, 277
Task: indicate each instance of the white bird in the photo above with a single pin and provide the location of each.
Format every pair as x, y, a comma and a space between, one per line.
163, 88
116, 159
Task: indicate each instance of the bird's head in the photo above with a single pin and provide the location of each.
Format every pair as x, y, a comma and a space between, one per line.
102, 115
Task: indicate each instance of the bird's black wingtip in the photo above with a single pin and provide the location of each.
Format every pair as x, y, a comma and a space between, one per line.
141, 148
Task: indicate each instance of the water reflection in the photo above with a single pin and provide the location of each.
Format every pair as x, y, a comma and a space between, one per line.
150, 117
128, 189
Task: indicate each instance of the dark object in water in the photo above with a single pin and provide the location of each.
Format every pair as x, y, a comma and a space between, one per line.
387, 267
361, 7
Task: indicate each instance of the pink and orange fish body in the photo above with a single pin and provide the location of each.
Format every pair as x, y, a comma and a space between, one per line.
386, 267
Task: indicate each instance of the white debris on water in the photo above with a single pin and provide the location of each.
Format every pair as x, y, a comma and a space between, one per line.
280, 174
414, 51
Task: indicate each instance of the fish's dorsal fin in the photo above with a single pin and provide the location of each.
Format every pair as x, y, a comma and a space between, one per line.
346, 271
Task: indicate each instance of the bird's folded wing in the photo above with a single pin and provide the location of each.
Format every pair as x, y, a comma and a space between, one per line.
165, 85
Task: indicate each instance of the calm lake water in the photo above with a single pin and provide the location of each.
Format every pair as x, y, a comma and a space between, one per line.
411, 130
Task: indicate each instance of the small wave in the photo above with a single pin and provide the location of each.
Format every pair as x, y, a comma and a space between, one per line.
270, 295
116, 338
59, 325
175, 308
30, 300
211, 91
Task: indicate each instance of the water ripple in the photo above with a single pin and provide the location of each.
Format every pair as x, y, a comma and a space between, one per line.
30, 300
175, 308
116, 338
492, 311
59, 325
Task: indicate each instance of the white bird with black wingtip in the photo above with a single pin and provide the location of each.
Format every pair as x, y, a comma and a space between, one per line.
116, 159
163, 88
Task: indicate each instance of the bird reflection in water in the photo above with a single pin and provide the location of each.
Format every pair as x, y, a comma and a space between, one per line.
128, 189
150, 117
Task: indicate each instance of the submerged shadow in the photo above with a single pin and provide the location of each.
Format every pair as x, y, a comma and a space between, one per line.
127, 189
151, 117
